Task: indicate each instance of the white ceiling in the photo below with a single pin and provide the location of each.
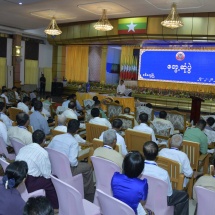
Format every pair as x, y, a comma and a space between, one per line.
19, 16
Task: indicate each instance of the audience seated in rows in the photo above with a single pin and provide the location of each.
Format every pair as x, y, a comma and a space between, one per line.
37, 120
175, 154
97, 104
209, 123
196, 134
39, 167
206, 181
71, 111
162, 118
143, 127
24, 105
45, 112
7, 121
16, 93
128, 187
10, 199
20, 131
126, 113
3, 133
177, 198
117, 126
39, 205
4, 95
72, 98
98, 120
107, 151
68, 145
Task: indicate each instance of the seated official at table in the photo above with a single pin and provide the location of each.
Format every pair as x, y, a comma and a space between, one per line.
121, 88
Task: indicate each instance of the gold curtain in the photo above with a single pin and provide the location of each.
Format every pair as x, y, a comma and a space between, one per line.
77, 63
177, 86
31, 72
3, 70
48, 75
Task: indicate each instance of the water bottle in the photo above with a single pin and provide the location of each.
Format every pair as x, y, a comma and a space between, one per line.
88, 87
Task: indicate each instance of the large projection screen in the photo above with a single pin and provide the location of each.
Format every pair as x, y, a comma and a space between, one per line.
180, 66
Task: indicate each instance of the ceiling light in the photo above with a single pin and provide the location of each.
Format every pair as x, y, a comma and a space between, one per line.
53, 28
103, 24
173, 20
20, 3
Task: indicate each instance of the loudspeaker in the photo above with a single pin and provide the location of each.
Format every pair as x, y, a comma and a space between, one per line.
57, 88
136, 52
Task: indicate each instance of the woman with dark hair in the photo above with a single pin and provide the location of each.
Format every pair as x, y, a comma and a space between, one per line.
39, 206
128, 187
11, 201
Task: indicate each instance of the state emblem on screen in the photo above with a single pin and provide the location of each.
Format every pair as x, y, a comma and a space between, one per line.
180, 56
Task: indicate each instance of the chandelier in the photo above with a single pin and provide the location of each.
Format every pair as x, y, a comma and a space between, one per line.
173, 20
53, 28
103, 24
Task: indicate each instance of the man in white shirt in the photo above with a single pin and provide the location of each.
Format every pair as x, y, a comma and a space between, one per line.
4, 95
68, 145
117, 126
70, 112
24, 105
70, 98
143, 127
127, 111
7, 121
3, 133
98, 120
16, 94
175, 154
162, 118
121, 88
177, 198
39, 167
107, 150
20, 132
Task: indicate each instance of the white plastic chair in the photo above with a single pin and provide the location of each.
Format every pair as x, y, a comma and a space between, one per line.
3, 150
17, 145
71, 201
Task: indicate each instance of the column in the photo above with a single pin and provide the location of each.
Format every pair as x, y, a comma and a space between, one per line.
103, 65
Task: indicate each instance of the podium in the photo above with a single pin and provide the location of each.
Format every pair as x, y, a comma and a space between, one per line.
195, 109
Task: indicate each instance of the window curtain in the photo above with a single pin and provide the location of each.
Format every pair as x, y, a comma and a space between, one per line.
128, 63
77, 63
3, 70
31, 72
48, 75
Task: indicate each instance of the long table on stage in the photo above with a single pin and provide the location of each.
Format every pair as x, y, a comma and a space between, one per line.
124, 101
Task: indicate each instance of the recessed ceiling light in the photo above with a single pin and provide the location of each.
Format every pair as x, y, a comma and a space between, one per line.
20, 3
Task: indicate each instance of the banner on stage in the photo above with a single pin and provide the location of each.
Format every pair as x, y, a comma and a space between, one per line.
181, 66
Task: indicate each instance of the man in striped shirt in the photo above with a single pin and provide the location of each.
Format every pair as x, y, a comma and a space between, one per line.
39, 167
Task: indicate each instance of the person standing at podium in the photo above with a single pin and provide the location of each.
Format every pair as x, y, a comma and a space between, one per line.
121, 88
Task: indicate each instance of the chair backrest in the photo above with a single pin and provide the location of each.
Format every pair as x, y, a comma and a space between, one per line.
88, 103
162, 130
99, 143
70, 200
13, 112
192, 150
114, 109
205, 200
3, 150
127, 122
3, 163
174, 170
135, 140
60, 109
144, 109
17, 145
56, 132
103, 178
177, 119
88, 115
60, 166
157, 196
110, 205
94, 131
